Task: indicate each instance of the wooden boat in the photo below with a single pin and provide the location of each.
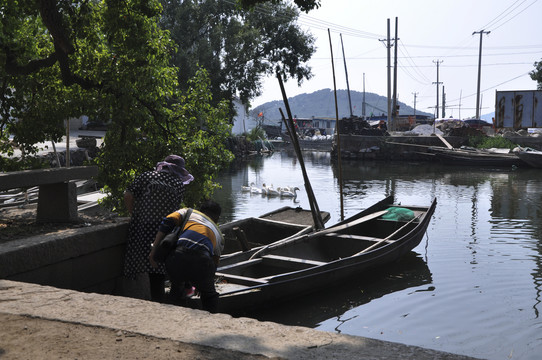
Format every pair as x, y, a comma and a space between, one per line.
406, 273
532, 157
253, 232
309, 262
473, 157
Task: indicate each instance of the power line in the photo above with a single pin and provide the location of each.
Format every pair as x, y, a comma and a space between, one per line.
416, 67
505, 13
515, 15
324, 25
496, 85
534, 46
446, 57
470, 65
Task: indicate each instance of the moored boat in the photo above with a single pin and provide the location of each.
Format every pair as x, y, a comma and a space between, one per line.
474, 157
530, 156
309, 262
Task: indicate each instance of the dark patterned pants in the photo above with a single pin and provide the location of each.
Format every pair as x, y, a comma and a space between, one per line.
198, 268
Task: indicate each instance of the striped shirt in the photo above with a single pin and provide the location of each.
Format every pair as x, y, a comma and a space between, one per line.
200, 232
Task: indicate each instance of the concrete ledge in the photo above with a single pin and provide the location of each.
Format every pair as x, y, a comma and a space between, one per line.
198, 327
57, 199
86, 259
26, 178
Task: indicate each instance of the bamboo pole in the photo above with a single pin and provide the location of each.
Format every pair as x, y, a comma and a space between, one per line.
346, 73
317, 217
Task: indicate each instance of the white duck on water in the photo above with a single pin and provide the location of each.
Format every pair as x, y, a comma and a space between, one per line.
289, 192
255, 190
247, 188
271, 192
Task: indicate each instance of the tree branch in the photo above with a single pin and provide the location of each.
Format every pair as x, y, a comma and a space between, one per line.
30, 67
53, 21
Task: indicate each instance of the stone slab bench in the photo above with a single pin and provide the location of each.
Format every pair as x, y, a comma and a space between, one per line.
57, 199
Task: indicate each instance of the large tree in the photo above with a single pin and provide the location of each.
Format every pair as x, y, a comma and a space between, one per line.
238, 47
536, 74
107, 59
111, 60
304, 5
68, 58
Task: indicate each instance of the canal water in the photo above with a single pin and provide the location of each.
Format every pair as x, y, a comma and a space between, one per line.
473, 285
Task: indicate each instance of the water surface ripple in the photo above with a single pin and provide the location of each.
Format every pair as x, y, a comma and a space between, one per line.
473, 285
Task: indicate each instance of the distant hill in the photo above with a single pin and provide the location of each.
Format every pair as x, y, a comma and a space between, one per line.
321, 104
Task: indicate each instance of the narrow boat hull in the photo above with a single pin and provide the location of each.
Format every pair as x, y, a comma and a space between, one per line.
311, 262
532, 158
474, 158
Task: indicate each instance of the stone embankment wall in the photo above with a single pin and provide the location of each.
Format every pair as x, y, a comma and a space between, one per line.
410, 147
88, 259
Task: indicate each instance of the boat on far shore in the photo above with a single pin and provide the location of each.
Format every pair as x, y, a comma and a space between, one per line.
531, 157
475, 157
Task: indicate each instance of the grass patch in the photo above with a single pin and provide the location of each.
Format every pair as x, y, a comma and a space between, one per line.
487, 142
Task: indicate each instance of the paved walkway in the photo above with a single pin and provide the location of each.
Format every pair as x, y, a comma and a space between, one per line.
196, 327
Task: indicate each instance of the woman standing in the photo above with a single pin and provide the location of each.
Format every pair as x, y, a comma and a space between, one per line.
152, 196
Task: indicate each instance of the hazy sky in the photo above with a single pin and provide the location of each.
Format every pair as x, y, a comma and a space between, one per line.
429, 31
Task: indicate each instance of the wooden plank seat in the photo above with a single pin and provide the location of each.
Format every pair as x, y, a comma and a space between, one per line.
57, 199
358, 237
239, 265
293, 261
290, 263
241, 280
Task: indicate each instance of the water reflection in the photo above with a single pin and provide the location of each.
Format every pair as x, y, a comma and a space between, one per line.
479, 273
410, 273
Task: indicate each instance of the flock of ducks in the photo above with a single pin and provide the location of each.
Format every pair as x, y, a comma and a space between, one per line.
270, 191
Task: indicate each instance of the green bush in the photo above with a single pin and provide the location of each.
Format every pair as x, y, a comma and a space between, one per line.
257, 133
487, 142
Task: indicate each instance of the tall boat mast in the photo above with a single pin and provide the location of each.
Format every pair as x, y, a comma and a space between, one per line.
363, 102
337, 129
346, 72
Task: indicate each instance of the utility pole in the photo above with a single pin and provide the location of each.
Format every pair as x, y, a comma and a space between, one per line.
394, 111
443, 103
415, 94
481, 32
438, 83
388, 46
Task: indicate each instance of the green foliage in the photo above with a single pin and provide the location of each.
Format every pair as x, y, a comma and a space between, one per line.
237, 47
536, 74
256, 133
196, 130
28, 102
488, 142
108, 60
304, 5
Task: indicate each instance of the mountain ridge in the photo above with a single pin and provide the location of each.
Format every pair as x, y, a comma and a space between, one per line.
321, 104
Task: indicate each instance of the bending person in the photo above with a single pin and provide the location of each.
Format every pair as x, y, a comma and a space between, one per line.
198, 250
